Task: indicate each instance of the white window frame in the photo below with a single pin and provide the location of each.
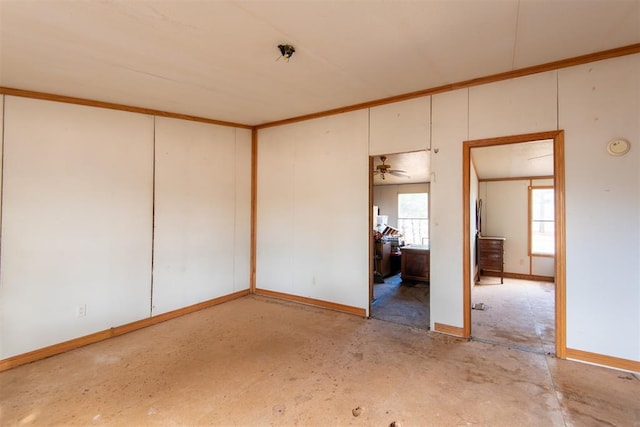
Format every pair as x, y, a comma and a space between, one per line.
417, 221
533, 219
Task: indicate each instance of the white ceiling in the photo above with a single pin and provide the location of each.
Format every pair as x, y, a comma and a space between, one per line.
417, 164
217, 59
526, 159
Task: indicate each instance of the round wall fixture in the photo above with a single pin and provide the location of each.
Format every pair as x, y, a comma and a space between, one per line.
618, 147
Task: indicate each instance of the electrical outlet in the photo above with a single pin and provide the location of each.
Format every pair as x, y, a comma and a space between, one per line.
81, 310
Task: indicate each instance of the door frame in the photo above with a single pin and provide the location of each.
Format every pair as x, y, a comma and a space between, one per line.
371, 242
560, 247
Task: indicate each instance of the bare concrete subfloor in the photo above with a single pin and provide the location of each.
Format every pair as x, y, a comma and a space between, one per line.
260, 361
518, 313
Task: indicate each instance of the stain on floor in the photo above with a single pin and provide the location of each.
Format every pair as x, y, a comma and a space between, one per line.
260, 361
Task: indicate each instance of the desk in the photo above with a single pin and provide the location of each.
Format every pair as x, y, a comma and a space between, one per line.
415, 263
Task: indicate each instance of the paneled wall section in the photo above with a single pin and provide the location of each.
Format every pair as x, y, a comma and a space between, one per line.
312, 199
196, 171
593, 103
450, 117
78, 219
78, 196
599, 102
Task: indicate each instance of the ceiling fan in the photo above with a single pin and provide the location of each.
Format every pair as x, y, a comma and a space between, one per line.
385, 168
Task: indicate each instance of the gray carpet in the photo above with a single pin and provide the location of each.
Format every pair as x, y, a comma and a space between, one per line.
402, 303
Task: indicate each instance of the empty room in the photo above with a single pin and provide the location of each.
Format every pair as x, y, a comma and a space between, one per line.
202, 203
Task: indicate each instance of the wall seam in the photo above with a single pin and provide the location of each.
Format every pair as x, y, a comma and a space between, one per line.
557, 100
235, 204
468, 111
153, 214
529, 226
368, 132
430, 124
2, 184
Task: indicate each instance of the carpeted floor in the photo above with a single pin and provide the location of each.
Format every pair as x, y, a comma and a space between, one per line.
403, 303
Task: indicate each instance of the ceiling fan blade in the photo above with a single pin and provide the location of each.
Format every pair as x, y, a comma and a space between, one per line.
399, 173
539, 157
376, 172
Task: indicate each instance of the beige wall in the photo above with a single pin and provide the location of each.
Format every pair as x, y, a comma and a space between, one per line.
598, 102
78, 217
474, 197
400, 127
516, 106
200, 184
78, 184
592, 103
505, 214
76, 221
450, 116
312, 237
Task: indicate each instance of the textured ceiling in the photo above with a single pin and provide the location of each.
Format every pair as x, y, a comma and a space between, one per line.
217, 59
416, 164
526, 159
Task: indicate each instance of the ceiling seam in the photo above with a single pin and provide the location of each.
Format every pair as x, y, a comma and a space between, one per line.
555, 65
515, 38
521, 72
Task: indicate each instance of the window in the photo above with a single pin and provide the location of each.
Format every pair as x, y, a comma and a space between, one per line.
413, 217
541, 226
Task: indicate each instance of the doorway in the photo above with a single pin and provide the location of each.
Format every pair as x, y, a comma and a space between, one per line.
556, 139
399, 220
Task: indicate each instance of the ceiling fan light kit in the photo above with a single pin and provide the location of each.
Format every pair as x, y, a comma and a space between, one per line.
385, 168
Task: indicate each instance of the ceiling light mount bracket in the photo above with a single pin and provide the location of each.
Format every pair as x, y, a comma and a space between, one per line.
286, 50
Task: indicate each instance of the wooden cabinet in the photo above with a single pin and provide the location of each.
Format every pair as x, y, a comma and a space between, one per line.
383, 258
415, 263
491, 255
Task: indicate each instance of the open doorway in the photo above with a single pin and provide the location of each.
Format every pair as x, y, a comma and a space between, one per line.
513, 265
514, 238
399, 288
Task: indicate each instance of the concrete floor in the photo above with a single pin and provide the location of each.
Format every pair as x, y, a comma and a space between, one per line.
260, 361
518, 313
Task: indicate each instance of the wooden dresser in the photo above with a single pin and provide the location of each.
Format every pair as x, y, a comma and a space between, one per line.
491, 255
415, 263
